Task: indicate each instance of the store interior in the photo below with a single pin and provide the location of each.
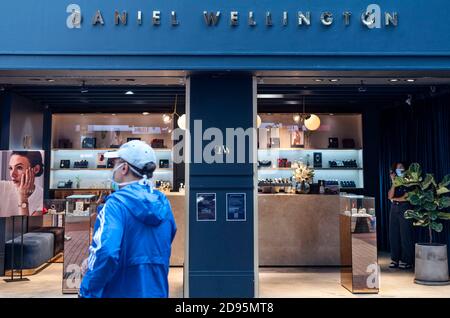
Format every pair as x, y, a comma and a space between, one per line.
366, 121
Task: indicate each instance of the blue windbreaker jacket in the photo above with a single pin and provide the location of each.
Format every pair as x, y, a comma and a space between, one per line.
130, 251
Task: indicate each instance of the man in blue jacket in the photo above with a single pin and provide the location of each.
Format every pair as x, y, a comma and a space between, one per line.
130, 251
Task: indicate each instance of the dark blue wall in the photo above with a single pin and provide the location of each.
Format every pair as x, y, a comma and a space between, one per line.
221, 253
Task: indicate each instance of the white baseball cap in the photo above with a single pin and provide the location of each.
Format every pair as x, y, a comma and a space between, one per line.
135, 152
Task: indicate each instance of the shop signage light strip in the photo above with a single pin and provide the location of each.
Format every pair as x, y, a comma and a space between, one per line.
372, 18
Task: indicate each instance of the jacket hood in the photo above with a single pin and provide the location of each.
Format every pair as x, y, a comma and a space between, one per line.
149, 208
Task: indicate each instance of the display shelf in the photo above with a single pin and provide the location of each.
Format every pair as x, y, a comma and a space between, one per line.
80, 189
99, 169
338, 168
104, 149
79, 169
310, 149
272, 168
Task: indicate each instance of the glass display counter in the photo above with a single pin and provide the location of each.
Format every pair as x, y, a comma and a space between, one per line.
359, 261
81, 212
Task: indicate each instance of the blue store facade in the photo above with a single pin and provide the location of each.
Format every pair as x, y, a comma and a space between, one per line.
225, 50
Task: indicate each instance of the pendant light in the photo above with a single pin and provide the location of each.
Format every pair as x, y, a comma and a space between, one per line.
311, 121
181, 118
182, 122
258, 121
167, 118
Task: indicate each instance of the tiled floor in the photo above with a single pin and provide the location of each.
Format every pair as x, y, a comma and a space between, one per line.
274, 282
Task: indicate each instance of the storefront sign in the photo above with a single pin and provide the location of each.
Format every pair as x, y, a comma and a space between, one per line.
234, 34
372, 17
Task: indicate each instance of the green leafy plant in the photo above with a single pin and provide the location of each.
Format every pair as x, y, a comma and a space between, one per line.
430, 200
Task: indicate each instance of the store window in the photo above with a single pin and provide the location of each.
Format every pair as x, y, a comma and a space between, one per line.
301, 173
79, 142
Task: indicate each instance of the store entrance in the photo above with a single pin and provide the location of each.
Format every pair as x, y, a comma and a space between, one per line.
320, 136
75, 117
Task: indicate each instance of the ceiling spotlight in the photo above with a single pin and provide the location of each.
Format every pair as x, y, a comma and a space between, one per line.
334, 80
394, 80
318, 80
113, 114
409, 100
145, 113
410, 80
129, 93
50, 80
84, 88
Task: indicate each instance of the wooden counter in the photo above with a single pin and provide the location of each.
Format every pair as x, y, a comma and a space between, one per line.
298, 230
178, 204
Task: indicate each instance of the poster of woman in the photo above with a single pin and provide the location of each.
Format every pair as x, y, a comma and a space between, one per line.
21, 183
297, 138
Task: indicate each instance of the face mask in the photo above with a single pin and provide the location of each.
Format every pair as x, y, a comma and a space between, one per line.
399, 172
115, 186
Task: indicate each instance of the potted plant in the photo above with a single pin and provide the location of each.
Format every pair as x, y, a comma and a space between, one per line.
430, 203
303, 175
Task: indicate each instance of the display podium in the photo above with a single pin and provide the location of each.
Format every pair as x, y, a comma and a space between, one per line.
81, 212
359, 261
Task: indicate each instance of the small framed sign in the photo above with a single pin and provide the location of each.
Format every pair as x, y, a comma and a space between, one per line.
206, 207
236, 207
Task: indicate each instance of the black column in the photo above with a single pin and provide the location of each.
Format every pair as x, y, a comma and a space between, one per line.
221, 252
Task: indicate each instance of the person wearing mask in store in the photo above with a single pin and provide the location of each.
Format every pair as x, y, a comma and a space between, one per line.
20, 195
401, 230
130, 251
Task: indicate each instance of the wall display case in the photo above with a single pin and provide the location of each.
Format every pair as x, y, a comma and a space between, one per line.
343, 166
358, 244
81, 213
79, 142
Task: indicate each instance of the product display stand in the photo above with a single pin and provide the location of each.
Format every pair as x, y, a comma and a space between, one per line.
358, 244
21, 278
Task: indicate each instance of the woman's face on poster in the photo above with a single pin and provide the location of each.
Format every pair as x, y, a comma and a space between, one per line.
18, 165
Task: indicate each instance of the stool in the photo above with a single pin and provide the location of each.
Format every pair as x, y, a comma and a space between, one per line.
38, 248
58, 234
